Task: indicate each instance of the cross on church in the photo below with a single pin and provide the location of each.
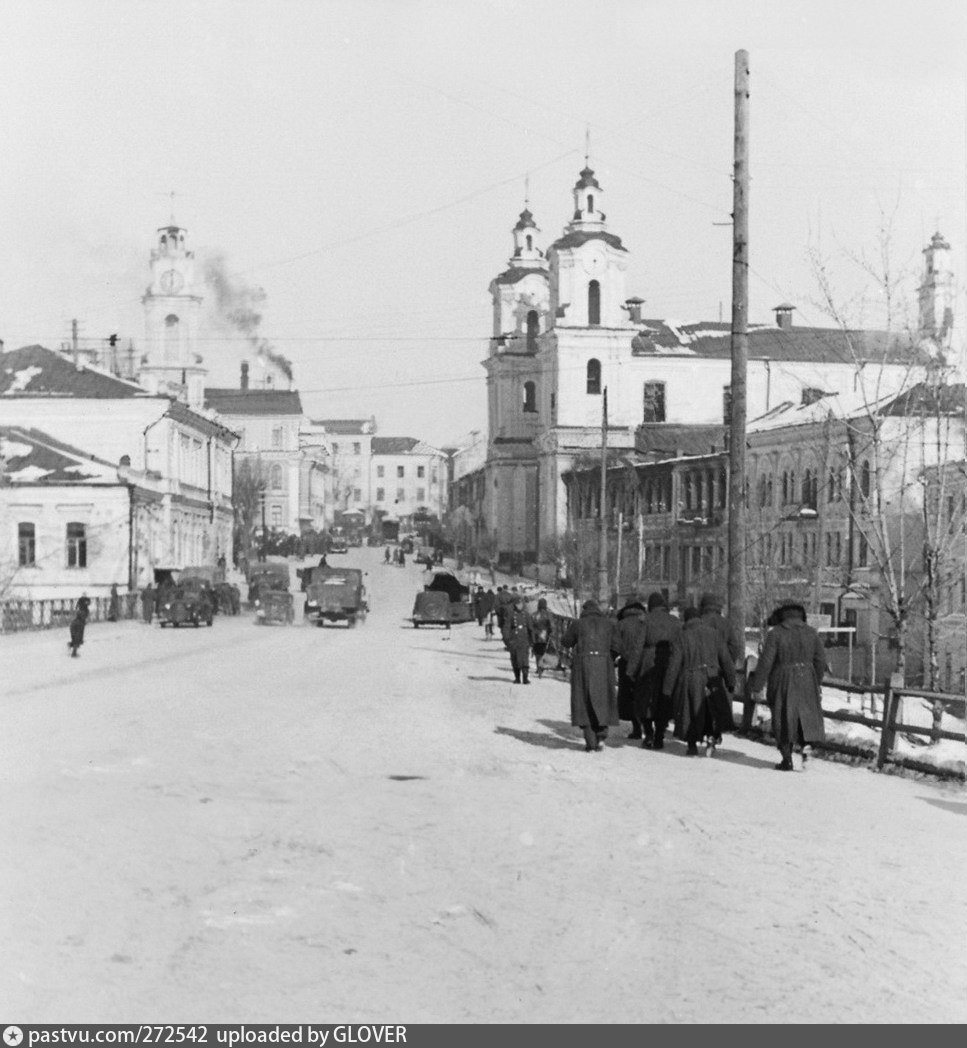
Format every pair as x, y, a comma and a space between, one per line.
171, 194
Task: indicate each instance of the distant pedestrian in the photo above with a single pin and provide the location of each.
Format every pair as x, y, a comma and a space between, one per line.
77, 625
401, 558
114, 604
647, 669
147, 603
323, 563
504, 601
84, 604
594, 705
386, 555
542, 626
791, 669
698, 658
518, 634
493, 573
631, 627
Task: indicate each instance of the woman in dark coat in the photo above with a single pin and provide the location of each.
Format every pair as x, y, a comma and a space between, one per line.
518, 634
77, 625
114, 607
647, 670
698, 657
791, 669
594, 705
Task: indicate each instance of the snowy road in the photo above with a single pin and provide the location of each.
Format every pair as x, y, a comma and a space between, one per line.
301, 824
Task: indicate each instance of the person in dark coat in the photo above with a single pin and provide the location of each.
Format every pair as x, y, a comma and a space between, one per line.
84, 604
542, 625
631, 628
147, 603
594, 704
518, 634
791, 669
698, 657
504, 601
647, 665
77, 625
114, 605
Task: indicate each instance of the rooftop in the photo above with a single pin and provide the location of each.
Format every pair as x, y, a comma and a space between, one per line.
346, 426
34, 371
31, 456
253, 401
582, 236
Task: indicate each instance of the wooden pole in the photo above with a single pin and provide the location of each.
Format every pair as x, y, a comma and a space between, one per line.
740, 351
617, 566
602, 506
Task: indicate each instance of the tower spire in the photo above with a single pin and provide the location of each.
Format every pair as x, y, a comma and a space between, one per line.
587, 145
527, 191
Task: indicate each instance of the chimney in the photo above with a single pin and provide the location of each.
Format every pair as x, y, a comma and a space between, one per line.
783, 314
633, 305
244, 379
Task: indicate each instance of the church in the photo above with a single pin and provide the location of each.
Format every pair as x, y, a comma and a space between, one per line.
566, 336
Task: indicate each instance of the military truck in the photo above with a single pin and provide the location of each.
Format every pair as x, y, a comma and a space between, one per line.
336, 595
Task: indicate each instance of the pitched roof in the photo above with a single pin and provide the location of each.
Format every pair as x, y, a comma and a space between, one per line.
34, 457
254, 401
668, 439
713, 339
345, 426
582, 236
518, 273
34, 371
394, 445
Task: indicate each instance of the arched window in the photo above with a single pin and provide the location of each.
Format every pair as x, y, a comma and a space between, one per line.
785, 487
594, 376
275, 477
172, 337
529, 242
533, 330
792, 485
590, 201
594, 303
865, 480
530, 396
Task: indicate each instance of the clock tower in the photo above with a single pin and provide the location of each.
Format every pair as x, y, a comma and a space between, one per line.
170, 363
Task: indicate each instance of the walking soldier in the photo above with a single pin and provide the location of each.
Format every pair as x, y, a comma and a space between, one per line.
594, 705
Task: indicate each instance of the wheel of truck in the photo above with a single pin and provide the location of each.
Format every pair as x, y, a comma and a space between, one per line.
416, 625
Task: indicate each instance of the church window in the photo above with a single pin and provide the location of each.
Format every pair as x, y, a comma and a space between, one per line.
533, 330
277, 437
172, 337
594, 303
865, 480
529, 242
276, 516
590, 201
27, 542
276, 477
594, 376
653, 397
530, 397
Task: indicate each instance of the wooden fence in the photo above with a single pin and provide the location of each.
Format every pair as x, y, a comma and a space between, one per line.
56, 612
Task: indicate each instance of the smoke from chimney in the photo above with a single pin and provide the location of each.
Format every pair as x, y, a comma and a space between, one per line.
238, 304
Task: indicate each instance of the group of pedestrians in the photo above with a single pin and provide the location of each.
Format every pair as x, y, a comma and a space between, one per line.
395, 556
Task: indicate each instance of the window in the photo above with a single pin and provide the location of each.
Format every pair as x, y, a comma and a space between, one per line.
421, 495
277, 438
653, 402
421, 471
400, 494
357, 447
76, 545
529, 242
380, 494
533, 330
357, 495
27, 545
276, 516
590, 201
335, 449
172, 337
380, 471
275, 481
865, 480
863, 551
594, 376
530, 397
401, 471
594, 303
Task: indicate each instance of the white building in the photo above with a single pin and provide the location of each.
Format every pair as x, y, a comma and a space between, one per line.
565, 332
350, 465
409, 478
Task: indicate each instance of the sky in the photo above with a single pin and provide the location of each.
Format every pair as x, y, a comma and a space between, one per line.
363, 164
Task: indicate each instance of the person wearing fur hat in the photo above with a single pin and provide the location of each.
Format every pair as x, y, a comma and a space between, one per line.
647, 668
518, 634
791, 670
698, 658
594, 705
631, 627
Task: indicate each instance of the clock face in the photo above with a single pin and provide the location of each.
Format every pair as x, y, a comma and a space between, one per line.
171, 281
594, 262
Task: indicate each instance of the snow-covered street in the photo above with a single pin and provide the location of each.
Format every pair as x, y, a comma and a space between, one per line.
293, 824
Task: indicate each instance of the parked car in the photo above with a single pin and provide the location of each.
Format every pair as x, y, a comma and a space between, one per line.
189, 602
431, 608
457, 593
336, 595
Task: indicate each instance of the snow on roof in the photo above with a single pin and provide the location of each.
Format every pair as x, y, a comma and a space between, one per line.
31, 456
37, 371
345, 426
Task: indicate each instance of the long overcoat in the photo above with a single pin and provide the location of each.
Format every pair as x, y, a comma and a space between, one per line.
648, 665
791, 669
594, 638
713, 618
631, 628
518, 634
698, 656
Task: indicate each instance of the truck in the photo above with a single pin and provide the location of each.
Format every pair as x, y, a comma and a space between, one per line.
336, 595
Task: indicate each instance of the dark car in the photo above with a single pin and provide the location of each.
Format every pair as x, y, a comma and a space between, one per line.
190, 602
457, 593
431, 608
268, 575
270, 596
336, 595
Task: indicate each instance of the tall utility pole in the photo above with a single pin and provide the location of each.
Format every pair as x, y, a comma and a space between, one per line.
740, 349
603, 588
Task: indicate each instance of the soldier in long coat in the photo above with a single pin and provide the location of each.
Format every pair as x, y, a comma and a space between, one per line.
791, 669
698, 658
518, 634
147, 603
77, 625
647, 670
631, 628
594, 705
